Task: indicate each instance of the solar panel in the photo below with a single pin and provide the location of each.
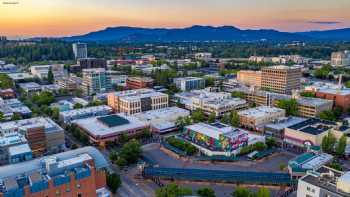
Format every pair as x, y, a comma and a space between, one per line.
113, 120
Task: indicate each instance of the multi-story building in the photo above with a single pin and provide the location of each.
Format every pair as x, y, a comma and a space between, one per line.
203, 56
68, 116
136, 101
162, 120
41, 71
281, 79
95, 81
109, 128
189, 83
20, 77
30, 87
139, 82
80, 50
43, 134
79, 172
10, 107
340, 96
311, 132
256, 118
307, 106
69, 83
14, 148
219, 139
219, 103
8, 68
87, 63
324, 181
249, 77
341, 58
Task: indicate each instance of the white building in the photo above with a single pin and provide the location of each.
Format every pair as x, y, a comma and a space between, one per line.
80, 50
203, 56
162, 120
41, 71
68, 116
341, 58
219, 103
324, 182
189, 83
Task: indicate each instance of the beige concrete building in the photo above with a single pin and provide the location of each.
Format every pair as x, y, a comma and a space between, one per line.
281, 79
136, 101
256, 118
249, 77
341, 58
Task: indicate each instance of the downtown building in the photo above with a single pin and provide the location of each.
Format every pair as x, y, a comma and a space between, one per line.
136, 101
219, 103
249, 78
281, 79
340, 58
96, 81
139, 82
69, 116
189, 83
80, 50
79, 172
87, 63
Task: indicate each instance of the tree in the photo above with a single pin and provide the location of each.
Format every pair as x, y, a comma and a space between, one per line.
347, 84
173, 190
234, 119
50, 77
328, 115
341, 146
308, 94
16, 116
263, 192
328, 143
226, 119
5, 81
77, 106
271, 142
55, 113
113, 182
198, 115
212, 117
130, 151
43, 98
206, 192
241, 192
2, 117
238, 94
291, 106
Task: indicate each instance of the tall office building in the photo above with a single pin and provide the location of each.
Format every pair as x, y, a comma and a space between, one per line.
341, 58
281, 79
96, 81
249, 77
80, 50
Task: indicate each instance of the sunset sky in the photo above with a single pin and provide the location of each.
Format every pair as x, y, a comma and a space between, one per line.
72, 17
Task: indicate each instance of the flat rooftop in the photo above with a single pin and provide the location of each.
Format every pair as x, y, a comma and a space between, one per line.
86, 110
313, 126
260, 111
215, 130
111, 125
138, 94
285, 122
47, 123
19, 149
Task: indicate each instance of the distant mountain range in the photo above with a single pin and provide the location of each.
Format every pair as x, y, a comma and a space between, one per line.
205, 33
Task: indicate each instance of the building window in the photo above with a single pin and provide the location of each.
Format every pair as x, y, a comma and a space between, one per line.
58, 193
78, 186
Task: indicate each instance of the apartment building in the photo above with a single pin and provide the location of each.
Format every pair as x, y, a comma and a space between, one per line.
249, 77
281, 79
256, 118
96, 81
14, 148
43, 134
80, 50
41, 71
307, 107
324, 181
219, 103
189, 83
340, 58
136, 101
340, 96
79, 172
139, 82
7, 93
69, 83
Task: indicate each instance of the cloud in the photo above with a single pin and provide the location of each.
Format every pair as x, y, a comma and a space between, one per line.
324, 22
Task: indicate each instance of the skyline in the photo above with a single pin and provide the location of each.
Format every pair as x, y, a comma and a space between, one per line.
64, 17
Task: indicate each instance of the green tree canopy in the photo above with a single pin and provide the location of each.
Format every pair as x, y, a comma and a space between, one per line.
328, 143
173, 190
198, 115
328, 115
212, 117
234, 118
341, 146
206, 192
131, 151
5, 81
113, 182
43, 98
50, 77
291, 106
